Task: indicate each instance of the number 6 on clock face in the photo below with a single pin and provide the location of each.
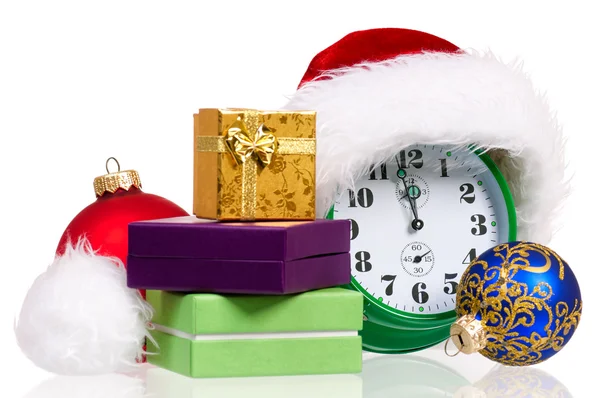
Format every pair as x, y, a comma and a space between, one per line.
417, 221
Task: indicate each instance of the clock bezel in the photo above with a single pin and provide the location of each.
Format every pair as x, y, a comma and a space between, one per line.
378, 312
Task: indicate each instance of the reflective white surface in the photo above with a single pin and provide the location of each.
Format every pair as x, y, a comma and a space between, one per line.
427, 374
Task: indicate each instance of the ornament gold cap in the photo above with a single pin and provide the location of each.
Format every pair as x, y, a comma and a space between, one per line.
111, 182
467, 334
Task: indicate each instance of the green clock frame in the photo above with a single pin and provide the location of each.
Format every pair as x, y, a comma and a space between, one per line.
388, 330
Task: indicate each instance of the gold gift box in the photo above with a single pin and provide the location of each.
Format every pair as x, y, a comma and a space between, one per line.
254, 165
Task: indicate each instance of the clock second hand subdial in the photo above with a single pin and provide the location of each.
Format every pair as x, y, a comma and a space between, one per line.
419, 258
416, 223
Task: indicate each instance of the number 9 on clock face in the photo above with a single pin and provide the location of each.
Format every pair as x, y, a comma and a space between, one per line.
417, 221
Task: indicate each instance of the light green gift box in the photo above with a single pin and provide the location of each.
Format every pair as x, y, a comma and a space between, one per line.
212, 335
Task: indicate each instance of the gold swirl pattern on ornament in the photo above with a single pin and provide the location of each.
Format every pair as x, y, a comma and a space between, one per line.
507, 305
519, 258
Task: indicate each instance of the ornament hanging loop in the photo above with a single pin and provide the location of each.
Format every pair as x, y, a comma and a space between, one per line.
116, 161
446, 347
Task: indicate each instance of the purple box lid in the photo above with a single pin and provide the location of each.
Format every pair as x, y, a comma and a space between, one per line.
192, 237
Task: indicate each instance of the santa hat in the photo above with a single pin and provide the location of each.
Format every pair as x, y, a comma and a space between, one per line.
379, 91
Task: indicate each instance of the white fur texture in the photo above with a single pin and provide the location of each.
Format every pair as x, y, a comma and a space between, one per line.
369, 112
80, 318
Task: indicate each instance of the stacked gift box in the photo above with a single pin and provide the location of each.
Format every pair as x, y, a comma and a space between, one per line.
251, 285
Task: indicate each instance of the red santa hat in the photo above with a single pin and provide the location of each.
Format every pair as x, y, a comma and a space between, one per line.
379, 91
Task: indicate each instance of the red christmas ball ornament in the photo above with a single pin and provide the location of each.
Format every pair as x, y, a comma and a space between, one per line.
79, 317
119, 201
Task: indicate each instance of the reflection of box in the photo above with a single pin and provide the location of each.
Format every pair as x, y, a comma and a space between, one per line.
279, 257
254, 164
210, 335
161, 383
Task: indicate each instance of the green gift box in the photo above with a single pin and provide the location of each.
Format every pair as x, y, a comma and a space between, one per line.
212, 335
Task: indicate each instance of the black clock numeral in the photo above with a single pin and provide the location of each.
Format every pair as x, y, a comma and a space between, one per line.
353, 229
450, 287
470, 257
415, 159
364, 197
479, 228
352, 198
389, 290
469, 193
373, 174
419, 294
363, 264
444, 168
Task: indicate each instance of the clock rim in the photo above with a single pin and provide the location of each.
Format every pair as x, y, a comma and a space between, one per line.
385, 315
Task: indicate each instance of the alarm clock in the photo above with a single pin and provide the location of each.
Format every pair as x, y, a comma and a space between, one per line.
401, 116
417, 221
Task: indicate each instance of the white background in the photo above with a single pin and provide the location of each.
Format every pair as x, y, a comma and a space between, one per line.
81, 81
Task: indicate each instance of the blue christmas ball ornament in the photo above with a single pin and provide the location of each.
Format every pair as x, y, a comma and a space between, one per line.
518, 303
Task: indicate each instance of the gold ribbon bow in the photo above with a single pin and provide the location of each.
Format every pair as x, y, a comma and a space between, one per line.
251, 143
242, 147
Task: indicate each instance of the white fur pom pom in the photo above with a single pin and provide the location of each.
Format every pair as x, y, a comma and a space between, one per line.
80, 318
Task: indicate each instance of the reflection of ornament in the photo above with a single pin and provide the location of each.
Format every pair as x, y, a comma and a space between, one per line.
79, 317
518, 304
518, 382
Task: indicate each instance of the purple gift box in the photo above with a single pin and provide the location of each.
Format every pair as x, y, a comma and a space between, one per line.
276, 257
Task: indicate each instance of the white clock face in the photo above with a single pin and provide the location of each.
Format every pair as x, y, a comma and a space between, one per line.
418, 221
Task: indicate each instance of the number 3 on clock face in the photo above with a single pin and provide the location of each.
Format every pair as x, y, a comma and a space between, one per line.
417, 221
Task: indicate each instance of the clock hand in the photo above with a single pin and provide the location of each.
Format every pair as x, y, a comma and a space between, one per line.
416, 223
413, 195
418, 259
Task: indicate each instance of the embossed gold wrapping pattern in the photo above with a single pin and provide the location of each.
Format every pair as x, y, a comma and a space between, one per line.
211, 144
267, 164
249, 170
296, 146
286, 146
